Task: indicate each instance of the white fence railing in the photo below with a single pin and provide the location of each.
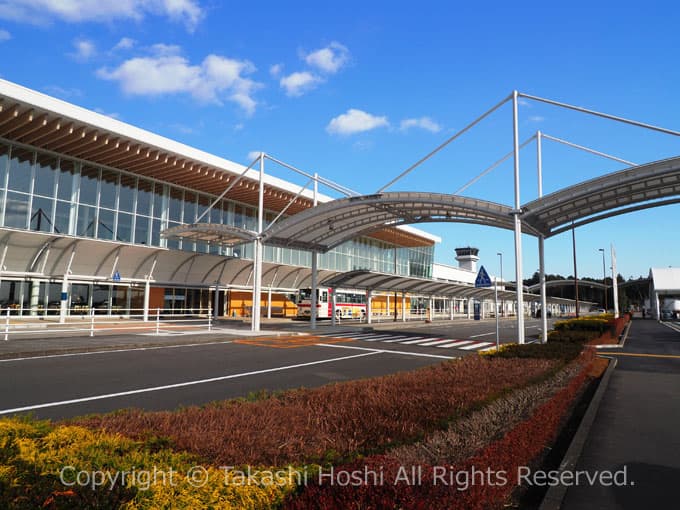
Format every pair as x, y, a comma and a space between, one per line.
157, 320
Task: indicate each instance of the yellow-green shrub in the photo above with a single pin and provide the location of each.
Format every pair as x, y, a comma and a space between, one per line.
36, 458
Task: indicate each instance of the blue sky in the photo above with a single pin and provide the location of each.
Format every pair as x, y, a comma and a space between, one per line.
358, 91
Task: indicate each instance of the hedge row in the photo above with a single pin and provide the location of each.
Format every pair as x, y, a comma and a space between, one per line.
483, 481
334, 422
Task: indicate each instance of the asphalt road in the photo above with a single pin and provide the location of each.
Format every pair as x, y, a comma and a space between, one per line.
637, 425
158, 373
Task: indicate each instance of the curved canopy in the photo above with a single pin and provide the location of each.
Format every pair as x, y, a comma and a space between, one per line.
216, 233
327, 225
632, 189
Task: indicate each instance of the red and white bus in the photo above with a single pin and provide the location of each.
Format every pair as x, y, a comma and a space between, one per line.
349, 304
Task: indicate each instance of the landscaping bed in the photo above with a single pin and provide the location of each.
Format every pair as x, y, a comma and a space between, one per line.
491, 414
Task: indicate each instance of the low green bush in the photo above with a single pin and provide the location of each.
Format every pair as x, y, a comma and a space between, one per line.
565, 351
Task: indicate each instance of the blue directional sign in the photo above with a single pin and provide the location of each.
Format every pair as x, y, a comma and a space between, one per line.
483, 279
116, 276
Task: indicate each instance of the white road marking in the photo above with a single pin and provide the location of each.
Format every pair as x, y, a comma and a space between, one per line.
475, 346
449, 344
180, 385
483, 334
387, 351
420, 341
401, 338
458, 343
132, 349
436, 342
388, 338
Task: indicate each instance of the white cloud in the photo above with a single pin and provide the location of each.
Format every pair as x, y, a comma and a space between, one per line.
85, 49
188, 12
536, 118
423, 123
214, 79
298, 83
329, 59
124, 44
253, 155
355, 121
276, 70
4, 35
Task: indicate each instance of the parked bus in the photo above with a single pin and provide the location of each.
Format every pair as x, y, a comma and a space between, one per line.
349, 304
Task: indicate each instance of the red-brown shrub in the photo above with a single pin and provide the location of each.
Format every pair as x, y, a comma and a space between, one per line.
332, 422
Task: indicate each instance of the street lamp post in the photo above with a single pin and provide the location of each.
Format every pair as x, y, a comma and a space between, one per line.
502, 301
604, 279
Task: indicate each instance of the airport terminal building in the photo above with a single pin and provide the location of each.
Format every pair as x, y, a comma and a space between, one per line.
85, 198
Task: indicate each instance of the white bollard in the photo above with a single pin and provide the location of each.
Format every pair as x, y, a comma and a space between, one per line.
92, 322
7, 326
209, 319
158, 320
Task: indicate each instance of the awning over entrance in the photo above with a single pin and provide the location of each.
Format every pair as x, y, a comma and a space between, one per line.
420, 286
214, 233
636, 188
327, 225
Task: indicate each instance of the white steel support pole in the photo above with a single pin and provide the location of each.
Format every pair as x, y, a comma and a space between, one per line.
451, 306
315, 288
269, 303
63, 309
216, 301
369, 307
147, 292
403, 306
7, 325
615, 283
495, 301
257, 268
334, 302
518, 226
541, 247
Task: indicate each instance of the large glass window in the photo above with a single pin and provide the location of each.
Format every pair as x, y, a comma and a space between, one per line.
4, 158
41, 214
128, 189
109, 189
175, 205
88, 185
144, 195
65, 181
189, 207
16, 210
46, 170
157, 200
106, 226
142, 230
61, 220
20, 166
124, 230
87, 221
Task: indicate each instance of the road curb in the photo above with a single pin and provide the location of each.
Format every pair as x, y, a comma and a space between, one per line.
555, 496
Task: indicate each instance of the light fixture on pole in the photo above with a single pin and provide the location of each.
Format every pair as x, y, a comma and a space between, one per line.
604, 279
502, 302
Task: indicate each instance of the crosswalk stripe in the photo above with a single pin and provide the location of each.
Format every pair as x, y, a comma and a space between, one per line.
400, 338
475, 346
420, 341
385, 338
450, 344
458, 343
369, 338
440, 341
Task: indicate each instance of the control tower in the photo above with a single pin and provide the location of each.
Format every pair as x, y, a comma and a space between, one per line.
467, 258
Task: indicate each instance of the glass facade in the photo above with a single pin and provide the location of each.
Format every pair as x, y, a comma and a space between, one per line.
46, 193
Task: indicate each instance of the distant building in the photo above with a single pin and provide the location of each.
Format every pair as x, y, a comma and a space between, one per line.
664, 292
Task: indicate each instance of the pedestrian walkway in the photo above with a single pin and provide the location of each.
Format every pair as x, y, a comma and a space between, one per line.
635, 428
420, 341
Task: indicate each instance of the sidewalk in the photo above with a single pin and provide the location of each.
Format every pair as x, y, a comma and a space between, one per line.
637, 426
